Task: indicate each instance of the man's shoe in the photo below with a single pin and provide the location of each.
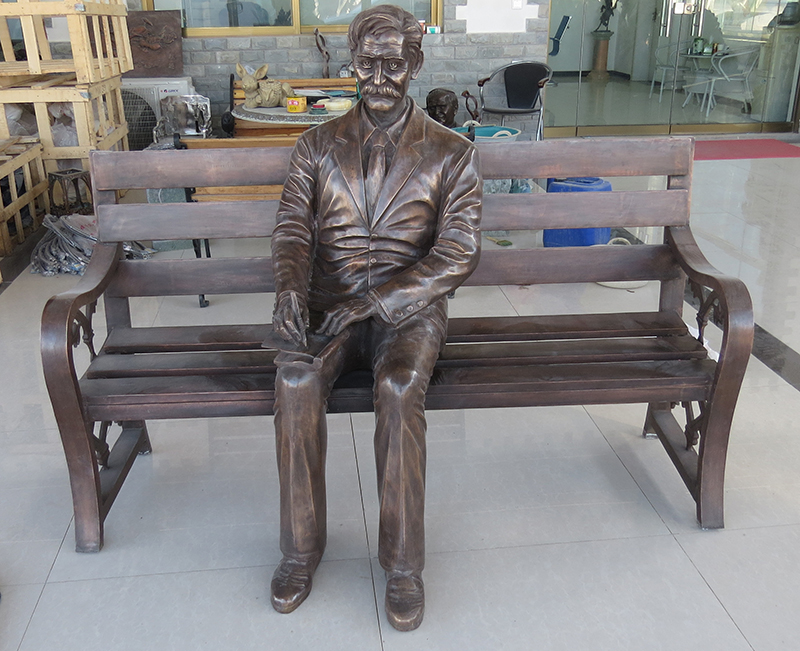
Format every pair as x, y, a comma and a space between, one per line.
405, 600
291, 583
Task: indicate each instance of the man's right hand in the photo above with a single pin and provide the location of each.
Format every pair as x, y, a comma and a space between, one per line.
290, 318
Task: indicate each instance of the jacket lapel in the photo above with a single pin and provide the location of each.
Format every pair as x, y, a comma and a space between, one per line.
348, 157
406, 159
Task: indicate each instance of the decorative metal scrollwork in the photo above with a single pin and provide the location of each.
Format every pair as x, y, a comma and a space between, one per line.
101, 449
83, 323
694, 425
710, 306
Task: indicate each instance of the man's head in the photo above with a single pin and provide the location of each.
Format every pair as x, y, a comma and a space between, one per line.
386, 45
442, 106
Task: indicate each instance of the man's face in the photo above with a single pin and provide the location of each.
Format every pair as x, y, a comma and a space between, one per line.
384, 70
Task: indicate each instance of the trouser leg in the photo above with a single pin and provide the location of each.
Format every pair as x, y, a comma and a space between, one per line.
403, 365
301, 392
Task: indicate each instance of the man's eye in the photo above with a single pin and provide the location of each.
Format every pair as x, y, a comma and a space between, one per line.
365, 63
394, 65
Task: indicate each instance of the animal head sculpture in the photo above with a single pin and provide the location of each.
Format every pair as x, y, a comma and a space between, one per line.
260, 91
252, 97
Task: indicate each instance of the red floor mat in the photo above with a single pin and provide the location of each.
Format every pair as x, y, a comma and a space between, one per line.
734, 149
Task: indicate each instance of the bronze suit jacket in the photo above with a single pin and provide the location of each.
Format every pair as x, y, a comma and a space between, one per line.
422, 241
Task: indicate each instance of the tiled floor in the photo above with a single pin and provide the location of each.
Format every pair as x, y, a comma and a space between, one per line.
555, 529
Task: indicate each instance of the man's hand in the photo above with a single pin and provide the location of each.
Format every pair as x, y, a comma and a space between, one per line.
290, 319
342, 315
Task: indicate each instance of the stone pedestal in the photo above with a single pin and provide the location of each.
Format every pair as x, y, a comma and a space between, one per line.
600, 66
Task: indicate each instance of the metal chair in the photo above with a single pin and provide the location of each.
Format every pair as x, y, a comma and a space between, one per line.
523, 81
734, 67
668, 65
725, 67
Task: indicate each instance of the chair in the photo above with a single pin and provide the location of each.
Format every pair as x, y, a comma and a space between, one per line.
733, 67
667, 63
523, 81
725, 67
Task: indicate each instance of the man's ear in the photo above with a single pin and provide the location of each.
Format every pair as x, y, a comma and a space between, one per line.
417, 65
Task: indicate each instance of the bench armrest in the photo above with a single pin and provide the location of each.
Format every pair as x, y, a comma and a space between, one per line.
735, 310
62, 319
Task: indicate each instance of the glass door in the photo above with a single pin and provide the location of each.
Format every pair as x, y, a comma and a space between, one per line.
668, 66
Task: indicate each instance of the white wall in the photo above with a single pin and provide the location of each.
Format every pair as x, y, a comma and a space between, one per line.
496, 16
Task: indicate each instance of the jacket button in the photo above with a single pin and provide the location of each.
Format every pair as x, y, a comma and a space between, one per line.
410, 308
373, 261
398, 312
421, 303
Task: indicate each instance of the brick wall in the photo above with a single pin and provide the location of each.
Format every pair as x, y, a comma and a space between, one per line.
453, 59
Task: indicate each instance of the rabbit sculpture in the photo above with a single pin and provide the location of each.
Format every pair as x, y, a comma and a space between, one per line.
260, 91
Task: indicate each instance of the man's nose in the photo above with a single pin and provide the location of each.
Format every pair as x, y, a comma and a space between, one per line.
377, 73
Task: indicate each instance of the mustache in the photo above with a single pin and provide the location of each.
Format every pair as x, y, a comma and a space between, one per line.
384, 90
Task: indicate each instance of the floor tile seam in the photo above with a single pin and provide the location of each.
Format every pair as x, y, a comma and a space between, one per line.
713, 592
554, 543
44, 585
630, 473
533, 508
366, 533
267, 567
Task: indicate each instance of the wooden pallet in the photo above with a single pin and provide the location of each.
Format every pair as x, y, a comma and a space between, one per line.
24, 184
98, 38
97, 108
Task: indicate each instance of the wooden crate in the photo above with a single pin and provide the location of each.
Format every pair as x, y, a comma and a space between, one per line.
24, 184
98, 38
97, 108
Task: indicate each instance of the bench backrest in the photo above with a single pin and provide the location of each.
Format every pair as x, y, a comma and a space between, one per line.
618, 157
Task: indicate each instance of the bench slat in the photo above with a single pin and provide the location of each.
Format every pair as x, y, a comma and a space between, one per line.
536, 210
180, 221
177, 221
454, 355
249, 394
573, 264
179, 277
565, 326
268, 166
460, 330
169, 169
183, 277
587, 157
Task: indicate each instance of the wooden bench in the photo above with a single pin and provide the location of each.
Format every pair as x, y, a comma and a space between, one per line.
141, 373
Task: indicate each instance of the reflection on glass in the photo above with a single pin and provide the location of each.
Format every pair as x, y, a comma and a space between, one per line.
342, 12
675, 62
237, 13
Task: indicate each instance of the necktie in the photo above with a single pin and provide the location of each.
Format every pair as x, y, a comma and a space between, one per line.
376, 172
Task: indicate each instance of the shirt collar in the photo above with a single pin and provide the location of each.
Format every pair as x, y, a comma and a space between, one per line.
368, 127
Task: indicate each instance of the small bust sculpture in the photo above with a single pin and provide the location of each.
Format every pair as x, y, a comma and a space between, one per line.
442, 105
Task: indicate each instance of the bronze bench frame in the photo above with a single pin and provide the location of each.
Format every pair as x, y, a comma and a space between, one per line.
647, 357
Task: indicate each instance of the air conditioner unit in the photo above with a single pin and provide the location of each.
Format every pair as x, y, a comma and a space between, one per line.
141, 101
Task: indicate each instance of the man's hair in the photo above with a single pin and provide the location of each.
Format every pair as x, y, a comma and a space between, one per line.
384, 18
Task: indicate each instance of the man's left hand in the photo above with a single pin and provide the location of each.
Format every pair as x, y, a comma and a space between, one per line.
342, 315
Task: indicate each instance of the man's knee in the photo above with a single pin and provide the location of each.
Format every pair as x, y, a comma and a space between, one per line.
401, 384
300, 377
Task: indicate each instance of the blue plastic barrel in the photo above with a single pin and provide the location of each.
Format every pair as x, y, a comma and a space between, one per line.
577, 236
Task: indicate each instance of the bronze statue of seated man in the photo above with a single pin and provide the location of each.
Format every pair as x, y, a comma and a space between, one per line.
379, 221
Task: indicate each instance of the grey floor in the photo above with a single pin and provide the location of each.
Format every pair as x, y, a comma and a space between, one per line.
554, 529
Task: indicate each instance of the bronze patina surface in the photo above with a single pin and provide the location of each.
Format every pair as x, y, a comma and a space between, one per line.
442, 105
379, 221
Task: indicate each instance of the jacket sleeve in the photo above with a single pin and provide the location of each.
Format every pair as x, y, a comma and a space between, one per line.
455, 253
293, 237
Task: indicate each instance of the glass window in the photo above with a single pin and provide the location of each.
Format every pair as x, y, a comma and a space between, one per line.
342, 12
294, 15
236, 13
